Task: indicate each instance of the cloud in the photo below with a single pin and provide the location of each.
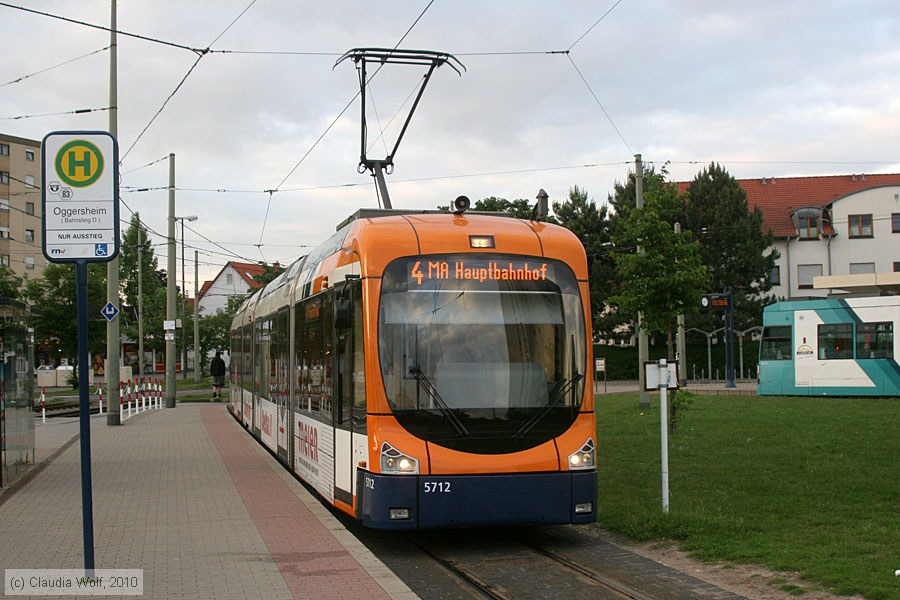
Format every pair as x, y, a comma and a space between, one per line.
764, 88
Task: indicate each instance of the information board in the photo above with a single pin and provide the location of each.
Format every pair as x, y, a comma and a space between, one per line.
80, 196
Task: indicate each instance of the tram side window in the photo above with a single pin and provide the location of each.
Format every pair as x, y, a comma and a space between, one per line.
263, 353
279, 357
835, 341
875, 340
246, 358
313, 360
359, 363
776, 343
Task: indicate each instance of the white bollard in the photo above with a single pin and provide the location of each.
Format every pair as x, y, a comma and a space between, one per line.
100, 394
43, 407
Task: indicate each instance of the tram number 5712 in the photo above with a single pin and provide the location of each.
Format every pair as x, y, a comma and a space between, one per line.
437, 487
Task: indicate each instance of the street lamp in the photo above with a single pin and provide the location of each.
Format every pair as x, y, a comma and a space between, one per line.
190, 218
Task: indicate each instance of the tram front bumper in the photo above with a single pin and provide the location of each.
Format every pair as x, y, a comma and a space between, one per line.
432, 501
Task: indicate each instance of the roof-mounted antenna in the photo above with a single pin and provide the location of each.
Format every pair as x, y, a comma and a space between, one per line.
361, 56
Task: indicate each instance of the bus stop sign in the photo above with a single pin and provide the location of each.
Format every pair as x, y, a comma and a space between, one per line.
80, 196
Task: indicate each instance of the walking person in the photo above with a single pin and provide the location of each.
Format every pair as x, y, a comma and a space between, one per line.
217, 370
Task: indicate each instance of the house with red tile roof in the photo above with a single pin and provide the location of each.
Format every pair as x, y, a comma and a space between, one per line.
235, 279
827, 225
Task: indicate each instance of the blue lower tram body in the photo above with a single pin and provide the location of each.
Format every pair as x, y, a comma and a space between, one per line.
476, 500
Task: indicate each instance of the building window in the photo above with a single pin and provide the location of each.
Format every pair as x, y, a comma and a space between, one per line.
857, 268
895, 222
775, 275
29, 180
4, 260
835, 341
29, 235
29, 208
4, 149
805, 274
4, 177
4, 205
29, 262
896, 267
875, 340
4, 233
29, 155
808, 228
860, 226
229, 279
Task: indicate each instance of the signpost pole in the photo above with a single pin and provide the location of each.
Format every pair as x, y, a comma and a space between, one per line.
84, 412
664, 432
80, 204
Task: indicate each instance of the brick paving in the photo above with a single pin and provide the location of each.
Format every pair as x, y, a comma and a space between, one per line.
185, 495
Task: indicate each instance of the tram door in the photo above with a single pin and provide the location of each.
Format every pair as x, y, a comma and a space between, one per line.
343, 396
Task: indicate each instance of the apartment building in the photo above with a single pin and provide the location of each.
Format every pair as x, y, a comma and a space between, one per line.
20, 206
828, 225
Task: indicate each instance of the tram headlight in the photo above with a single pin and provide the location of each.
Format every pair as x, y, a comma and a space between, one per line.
584, 458
394, 462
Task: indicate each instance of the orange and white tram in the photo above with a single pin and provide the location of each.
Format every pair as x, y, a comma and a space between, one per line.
427, 369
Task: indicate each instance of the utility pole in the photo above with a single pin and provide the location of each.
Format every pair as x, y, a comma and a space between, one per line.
111, 373
643, 342
170, 292
183, 309
681, 348
196, 320
140, 299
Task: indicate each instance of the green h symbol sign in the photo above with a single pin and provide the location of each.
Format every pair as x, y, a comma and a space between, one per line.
84, 163
79, 163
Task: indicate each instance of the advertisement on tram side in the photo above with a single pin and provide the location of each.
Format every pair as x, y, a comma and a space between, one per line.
267, 419
314, 454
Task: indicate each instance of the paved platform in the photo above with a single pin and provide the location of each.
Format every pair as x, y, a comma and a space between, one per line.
186, 495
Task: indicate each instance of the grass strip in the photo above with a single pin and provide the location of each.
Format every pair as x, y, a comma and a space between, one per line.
810, 485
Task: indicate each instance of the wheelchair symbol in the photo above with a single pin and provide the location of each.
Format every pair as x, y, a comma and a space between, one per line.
100, 250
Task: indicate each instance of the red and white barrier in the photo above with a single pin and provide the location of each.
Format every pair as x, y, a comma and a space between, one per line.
128, 397
100, 395
121, 404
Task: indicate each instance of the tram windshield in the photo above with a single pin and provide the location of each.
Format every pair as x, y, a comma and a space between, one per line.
482, 352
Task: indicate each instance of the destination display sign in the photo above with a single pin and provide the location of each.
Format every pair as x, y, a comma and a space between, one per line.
80, 196
427, 272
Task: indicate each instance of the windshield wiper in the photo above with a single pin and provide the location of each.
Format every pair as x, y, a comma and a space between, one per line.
560, 389
423, 381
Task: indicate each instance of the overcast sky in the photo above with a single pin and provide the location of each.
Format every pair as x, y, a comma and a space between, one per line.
764, 87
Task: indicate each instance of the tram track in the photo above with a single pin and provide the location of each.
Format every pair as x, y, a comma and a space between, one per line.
65, 409
539, 562
510, 567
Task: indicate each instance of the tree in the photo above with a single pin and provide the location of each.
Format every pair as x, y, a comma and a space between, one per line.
153, 286
623, 201
733, 244
580, 215
10, 283
270, 272
215, 329
520, 208
54, 295
667, 277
